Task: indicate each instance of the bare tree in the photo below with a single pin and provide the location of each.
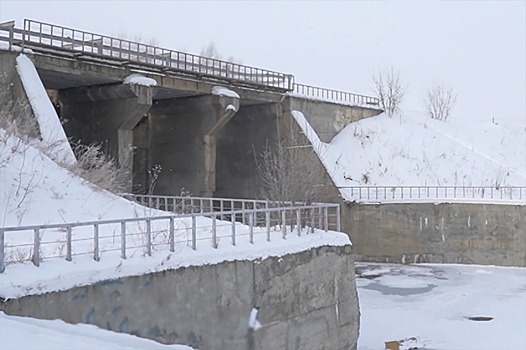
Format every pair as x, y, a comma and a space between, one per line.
288, 172
210, 51
388, 88
439, 102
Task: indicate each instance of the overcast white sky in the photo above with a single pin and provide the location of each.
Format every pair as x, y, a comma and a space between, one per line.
476, 47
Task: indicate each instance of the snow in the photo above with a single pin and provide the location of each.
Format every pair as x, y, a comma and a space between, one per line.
37, 191
33, 334
140, 80
433, 303
54, 138
231, 108
414, 150
223, 91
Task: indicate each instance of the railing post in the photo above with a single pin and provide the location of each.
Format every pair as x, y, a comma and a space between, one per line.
194, 233
172, 234
251, 227
284, 223
68, 243
36, 247
267, 223
148, 237
338, 218
298, 221
96, 255
326, 214
2, 253
233, 220
123, 239
214, 232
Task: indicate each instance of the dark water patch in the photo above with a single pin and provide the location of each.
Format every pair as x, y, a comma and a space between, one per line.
386, 290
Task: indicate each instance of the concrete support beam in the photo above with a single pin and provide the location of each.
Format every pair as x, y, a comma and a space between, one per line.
107, 115
225, 108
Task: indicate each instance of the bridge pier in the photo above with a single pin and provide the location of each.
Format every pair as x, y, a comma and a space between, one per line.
183, 140
107, 115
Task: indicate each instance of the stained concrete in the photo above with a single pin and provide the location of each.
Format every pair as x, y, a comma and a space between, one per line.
306, 300
493, 234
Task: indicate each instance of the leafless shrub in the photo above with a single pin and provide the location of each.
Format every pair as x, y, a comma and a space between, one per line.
439, 102
287, 172
388, 88
99, 169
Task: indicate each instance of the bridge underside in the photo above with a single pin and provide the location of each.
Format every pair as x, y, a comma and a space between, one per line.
205, 144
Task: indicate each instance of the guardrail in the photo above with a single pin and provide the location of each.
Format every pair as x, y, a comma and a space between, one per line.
406, 193
335, 95
147, 234
39, 35
76, 41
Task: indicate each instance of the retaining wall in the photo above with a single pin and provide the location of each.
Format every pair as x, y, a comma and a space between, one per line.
488, 234
307, 301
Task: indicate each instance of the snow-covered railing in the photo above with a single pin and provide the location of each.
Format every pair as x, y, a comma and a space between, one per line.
335, 95
148, 234
419, 193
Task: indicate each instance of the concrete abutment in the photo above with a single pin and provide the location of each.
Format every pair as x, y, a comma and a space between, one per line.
307, 301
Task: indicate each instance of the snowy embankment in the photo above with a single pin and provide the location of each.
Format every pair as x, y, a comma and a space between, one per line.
446, 307
31, 334
415, 150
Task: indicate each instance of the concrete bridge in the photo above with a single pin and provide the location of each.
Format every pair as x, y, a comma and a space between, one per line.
204, 121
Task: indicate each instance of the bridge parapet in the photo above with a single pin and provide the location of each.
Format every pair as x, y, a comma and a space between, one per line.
50, 38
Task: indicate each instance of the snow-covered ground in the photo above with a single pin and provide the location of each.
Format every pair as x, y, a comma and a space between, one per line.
433, 303
24, 333
414, 150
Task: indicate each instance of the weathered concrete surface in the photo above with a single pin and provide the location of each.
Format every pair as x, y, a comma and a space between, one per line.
307, 301
327, 118
13, 95
106, 115
492, 234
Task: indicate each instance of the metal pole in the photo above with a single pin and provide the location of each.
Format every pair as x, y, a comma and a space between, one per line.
194, 233
338, 218
96, 256
284, 223
36, 247
233, 220
251, 226
298, 221
214, 232
326, 214
123, 240
267, 223
172, 235
68, 243
148, 237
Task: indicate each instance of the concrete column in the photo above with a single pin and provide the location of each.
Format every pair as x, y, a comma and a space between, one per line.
183, 134
225, 107
107, 115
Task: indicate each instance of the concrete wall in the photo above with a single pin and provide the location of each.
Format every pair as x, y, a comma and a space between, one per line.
326, 118
438, 233
307, 301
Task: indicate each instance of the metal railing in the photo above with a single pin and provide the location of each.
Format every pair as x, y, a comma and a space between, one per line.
148, 234
39, 35
407, 193
335, 95
42, 34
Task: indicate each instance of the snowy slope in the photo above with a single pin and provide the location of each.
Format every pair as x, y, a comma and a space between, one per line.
415, 150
